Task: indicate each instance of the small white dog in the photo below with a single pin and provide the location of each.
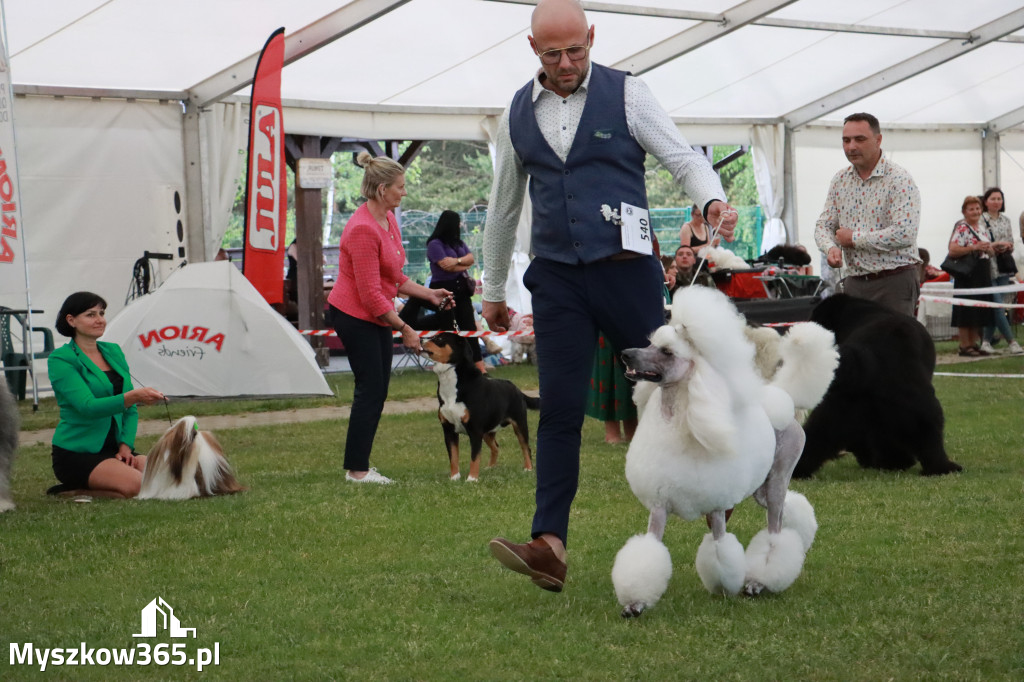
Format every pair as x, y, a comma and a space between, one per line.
712, 433
187, 463
722, 259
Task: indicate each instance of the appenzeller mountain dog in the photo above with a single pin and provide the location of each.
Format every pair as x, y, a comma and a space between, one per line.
473, 403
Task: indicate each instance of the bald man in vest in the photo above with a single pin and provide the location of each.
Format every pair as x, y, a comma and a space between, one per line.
579, 134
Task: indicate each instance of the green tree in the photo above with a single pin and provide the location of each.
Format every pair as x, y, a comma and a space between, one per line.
457, 175
234, 236
737, 181
452, 175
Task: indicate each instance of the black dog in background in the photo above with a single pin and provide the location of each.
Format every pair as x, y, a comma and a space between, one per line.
881, 405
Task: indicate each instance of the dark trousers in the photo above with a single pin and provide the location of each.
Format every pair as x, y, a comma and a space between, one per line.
370, 348
571, 303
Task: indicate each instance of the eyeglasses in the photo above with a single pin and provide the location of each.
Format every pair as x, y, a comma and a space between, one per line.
576, 53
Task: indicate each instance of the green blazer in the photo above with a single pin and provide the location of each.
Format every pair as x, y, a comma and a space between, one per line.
86, 398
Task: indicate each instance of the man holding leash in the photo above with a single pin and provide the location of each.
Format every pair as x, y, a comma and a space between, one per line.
870, 221
579, 132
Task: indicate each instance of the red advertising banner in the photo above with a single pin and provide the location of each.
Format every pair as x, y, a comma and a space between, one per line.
265, 184
11, 243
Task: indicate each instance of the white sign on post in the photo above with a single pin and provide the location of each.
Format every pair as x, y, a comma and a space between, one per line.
315, 173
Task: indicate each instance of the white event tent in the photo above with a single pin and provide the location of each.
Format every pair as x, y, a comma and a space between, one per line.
130, 114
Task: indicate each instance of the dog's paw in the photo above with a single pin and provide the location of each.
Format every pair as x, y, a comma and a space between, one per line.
948, 467
752, 589
455, 477
633, 610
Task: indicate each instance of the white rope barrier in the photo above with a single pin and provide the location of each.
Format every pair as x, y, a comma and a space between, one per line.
1001, 289
969, 303
952, 296
981, 376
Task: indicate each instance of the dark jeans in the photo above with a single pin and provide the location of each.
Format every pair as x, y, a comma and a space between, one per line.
370, 348
571, 303
999, 314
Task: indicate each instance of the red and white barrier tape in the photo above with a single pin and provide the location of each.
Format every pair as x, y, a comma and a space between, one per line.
331, 332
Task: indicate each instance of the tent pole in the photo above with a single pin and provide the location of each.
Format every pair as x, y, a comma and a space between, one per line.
990, 158
194, 199
789, 184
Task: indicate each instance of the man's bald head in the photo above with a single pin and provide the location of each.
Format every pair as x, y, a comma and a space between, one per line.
562, 13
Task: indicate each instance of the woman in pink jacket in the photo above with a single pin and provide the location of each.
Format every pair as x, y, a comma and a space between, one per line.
362, 309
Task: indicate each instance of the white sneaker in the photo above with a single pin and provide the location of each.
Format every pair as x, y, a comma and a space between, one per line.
1015, 349
372, 476
986, 347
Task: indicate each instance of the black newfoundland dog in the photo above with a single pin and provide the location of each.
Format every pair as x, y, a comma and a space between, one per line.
881, 405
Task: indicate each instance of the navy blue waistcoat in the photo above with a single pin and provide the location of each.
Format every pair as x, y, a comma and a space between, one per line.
605, 165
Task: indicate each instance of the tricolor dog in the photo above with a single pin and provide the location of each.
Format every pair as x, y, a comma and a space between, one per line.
187, 463
472, 403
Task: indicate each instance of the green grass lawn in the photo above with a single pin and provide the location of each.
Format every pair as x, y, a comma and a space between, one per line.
306, 578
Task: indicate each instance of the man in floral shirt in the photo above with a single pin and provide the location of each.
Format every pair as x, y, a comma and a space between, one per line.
870, 221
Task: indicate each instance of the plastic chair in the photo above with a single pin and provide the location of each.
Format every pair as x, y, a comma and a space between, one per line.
16, 364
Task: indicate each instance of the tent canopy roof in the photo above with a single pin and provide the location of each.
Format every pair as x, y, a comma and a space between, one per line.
910, 62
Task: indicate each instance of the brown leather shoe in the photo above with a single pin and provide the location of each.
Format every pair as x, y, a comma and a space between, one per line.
535, 559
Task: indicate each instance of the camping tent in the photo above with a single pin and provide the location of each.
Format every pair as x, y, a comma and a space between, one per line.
207, 332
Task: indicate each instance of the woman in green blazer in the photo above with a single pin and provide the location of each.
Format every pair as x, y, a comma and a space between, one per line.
93, 446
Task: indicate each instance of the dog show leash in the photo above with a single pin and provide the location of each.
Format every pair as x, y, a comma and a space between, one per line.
711, 240
166, 401
450, 298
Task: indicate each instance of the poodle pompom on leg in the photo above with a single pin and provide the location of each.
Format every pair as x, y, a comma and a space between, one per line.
641, 573
774, 561
798, 514
720, 564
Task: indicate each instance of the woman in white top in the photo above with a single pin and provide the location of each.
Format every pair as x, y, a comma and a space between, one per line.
995, 222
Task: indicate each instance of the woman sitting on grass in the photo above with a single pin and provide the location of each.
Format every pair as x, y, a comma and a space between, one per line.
93, 446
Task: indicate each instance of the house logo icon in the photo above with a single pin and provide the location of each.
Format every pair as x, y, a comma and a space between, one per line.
159, 613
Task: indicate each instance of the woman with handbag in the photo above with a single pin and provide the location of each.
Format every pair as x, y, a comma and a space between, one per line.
450, 261
972, 243
1003, 267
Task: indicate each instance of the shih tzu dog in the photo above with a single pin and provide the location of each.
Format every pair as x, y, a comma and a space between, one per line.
187, 463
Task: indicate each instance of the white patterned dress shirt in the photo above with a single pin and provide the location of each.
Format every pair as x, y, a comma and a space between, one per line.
558, 119
883, 211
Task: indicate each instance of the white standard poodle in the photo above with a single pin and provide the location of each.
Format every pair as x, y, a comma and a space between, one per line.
711, 433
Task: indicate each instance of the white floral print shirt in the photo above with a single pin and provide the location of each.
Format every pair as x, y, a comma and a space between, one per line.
883, 211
